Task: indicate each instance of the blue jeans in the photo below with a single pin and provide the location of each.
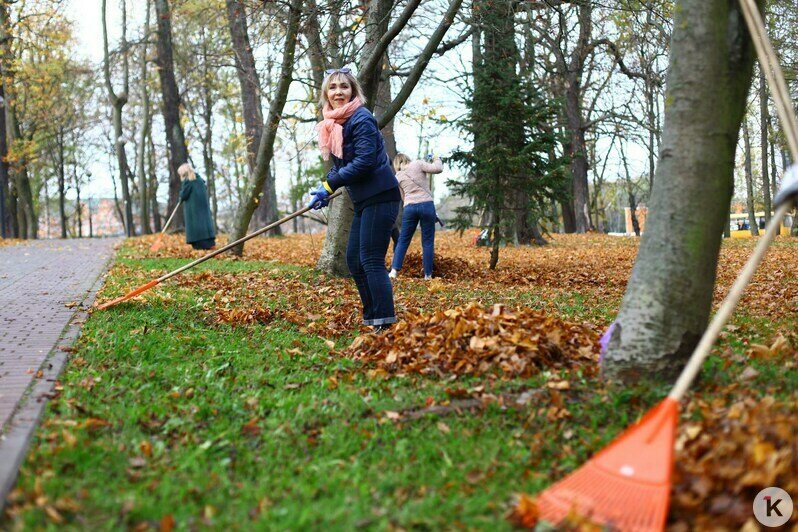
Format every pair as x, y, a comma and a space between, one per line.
413, 214
365, 256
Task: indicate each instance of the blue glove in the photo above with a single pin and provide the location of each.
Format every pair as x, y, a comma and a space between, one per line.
319, 198
430, 157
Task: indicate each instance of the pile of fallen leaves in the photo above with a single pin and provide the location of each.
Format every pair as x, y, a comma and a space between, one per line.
593, 264
725, 459
477, 340
10, 241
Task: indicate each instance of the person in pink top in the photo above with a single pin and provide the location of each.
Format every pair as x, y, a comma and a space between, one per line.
419, 208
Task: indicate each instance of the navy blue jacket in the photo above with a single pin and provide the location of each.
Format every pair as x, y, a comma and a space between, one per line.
365, 170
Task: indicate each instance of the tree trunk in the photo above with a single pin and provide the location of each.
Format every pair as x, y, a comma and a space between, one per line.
749, 183
170, 107
339, 216
153, 186
26, 215
669, 296
266, 146
5, 193
253, 114
118, 102
764, 118
144, 195
78, 206
61, 184
630, 194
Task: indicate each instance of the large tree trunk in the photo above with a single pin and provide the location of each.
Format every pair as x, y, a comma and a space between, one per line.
249, 82
749, 182
5, 192
170, 107
26, 215
257, 178
669, 296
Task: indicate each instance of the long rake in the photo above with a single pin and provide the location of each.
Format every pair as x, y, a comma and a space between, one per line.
627, 485
159, 280
159, 239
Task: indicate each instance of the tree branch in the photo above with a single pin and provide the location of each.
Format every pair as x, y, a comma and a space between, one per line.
421, 64
375, 57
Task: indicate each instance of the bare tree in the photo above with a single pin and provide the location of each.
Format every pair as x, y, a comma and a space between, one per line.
669, 296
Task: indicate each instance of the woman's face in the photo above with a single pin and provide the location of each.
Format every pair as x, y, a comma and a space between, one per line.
339, 92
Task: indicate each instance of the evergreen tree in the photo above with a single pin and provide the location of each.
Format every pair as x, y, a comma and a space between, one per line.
512, 171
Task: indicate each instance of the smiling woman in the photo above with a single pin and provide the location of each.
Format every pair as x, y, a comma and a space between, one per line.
350, 134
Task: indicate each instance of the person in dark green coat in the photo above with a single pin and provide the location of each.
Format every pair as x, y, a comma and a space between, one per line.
196, 209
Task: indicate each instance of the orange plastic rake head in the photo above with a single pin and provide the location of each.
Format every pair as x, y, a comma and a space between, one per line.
129, 295
627, 485
157, 244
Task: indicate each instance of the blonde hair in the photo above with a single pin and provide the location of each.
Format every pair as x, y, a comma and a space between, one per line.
186, 172
400, 162
357, 90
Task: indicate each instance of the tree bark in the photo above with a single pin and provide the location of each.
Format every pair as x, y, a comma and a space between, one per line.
669, 296
5, 192
118, 102
144, 194
749, 182
61, 183
266, 147
170, 107
764, 118
27, 221
378, 37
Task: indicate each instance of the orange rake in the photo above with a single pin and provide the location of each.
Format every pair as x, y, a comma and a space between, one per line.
159, 280
159, 239
627, 485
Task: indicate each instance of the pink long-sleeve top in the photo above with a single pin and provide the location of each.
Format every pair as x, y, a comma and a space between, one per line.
414, 182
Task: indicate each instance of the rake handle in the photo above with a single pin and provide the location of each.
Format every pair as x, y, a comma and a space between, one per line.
169, 220
231, 245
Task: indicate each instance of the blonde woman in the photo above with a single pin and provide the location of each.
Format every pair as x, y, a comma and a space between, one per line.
419, 208
196, 209
349, 134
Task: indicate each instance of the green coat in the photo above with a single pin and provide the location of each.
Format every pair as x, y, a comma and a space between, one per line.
196, 211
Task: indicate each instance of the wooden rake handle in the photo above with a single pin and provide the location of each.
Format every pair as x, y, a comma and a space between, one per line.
200, 260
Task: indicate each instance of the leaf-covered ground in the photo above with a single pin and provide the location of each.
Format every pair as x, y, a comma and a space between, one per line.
245, 394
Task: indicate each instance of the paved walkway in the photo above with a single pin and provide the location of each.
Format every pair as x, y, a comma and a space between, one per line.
44, 287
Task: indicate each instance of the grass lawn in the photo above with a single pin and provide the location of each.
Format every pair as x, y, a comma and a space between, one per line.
169, 414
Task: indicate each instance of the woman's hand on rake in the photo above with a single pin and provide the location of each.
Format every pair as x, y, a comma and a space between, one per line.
319, 198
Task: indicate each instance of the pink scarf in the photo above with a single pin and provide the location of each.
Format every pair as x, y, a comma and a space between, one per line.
331, 131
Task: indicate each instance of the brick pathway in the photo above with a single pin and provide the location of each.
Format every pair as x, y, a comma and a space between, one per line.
37, 282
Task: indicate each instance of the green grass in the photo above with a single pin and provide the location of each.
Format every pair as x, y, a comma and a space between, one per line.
263, 427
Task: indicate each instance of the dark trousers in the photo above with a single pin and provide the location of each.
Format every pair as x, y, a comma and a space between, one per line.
365, 256
206, 243
413, 214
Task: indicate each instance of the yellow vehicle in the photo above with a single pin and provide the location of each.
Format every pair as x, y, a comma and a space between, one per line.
739, 225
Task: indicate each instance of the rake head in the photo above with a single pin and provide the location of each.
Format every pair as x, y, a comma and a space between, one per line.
129, 295
627, 485
157, 244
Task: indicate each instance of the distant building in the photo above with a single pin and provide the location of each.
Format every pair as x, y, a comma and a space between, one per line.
641, 213
99, 217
